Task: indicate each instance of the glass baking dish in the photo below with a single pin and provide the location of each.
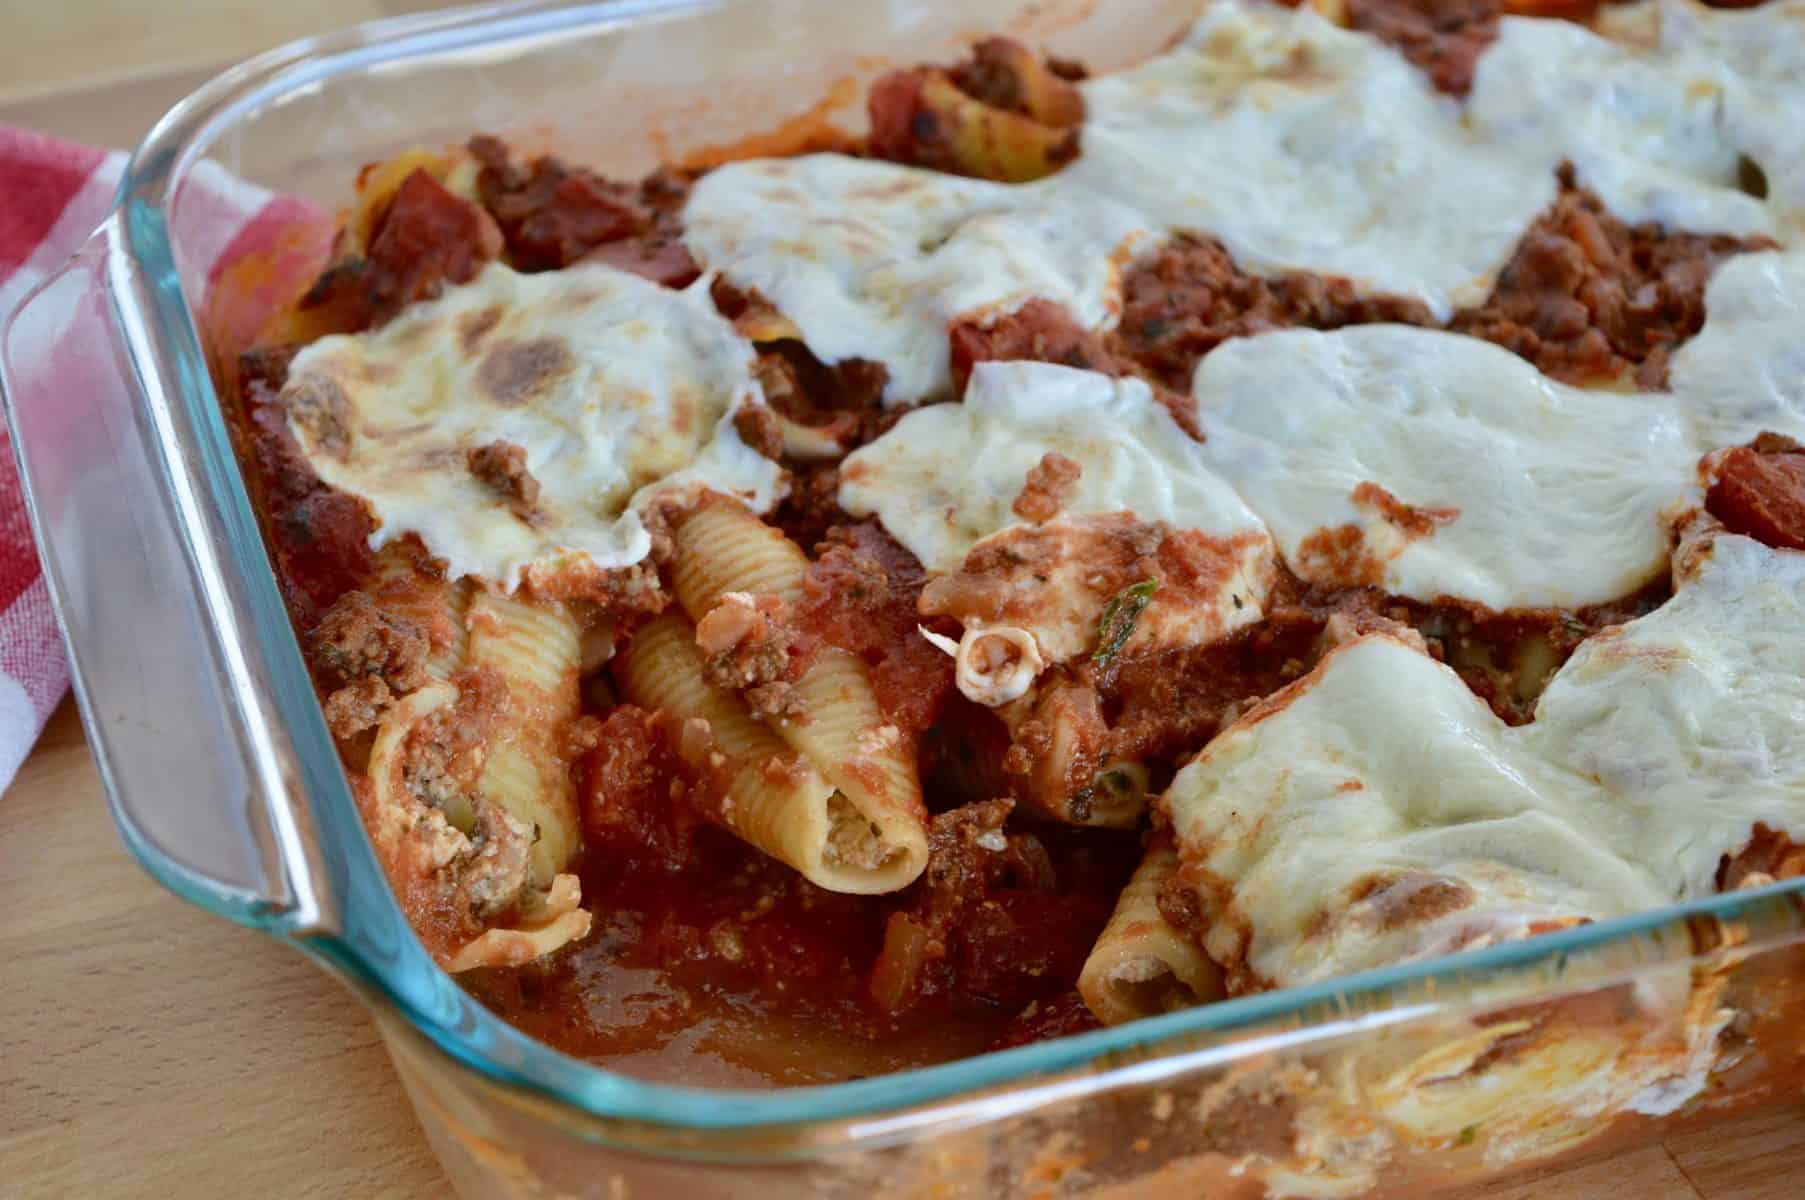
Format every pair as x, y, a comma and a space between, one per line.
226, 785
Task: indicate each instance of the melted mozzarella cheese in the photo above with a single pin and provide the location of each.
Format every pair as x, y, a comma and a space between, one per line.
1525, 491
871, 260
616, 390
1657, 112
1644, 128
1756, 56
1744, 372
1692, 719
946, 476
1381, 779
1299, 144
1379, 811
1304, 146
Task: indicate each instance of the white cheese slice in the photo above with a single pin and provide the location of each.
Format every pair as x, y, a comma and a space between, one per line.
1529, 492
1384, 813
945, 476
1757, 58
1643, 127
615, 388
1378, 811
1744, 372
1304, 146
1692, 719
872, 260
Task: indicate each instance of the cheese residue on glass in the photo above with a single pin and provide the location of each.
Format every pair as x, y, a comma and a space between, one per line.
517, 423
1378, 811
1433, 464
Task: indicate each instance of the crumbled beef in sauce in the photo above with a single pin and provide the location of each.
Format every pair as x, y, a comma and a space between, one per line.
1442, 38
552, 215
1588, 298
983, 950
1585, 297
1188, 298
862, 594
426, 238
996, 919
501, 466
1047, 489
318, 536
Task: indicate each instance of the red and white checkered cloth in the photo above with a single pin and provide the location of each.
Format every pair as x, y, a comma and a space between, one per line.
53, 194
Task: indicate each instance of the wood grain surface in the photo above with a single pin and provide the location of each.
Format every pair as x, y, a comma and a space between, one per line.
150, 1050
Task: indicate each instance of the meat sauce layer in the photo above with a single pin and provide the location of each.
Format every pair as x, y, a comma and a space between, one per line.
712, 964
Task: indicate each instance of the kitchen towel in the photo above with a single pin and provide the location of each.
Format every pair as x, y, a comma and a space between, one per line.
53, 194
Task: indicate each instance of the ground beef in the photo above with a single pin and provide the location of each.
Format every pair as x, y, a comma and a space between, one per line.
426, 238
1044, 1020
1442, 38
1048, 488
356, 639
357, 707
1190, 296
748, 644
552, 215
812, 509
1043, 331
319, 537
1759, 490
1040, 330
633, 793
1587, 297
1002, 917
845, 400
502, 467
862, 594
758, 428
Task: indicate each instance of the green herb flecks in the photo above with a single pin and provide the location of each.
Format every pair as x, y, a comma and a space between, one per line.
1119, 615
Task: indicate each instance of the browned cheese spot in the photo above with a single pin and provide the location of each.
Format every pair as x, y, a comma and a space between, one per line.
514, 372
321, 408
474, 327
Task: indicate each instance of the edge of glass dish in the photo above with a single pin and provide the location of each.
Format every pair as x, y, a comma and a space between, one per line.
376, 949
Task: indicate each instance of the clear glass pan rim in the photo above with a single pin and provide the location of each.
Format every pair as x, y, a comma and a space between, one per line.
429, 1000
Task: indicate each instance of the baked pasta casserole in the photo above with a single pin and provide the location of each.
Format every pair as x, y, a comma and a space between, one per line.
1326, 496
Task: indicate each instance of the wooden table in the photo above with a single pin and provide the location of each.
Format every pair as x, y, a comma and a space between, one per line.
147, 1049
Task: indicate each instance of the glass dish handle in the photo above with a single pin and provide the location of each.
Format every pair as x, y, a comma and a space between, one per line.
205, 798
